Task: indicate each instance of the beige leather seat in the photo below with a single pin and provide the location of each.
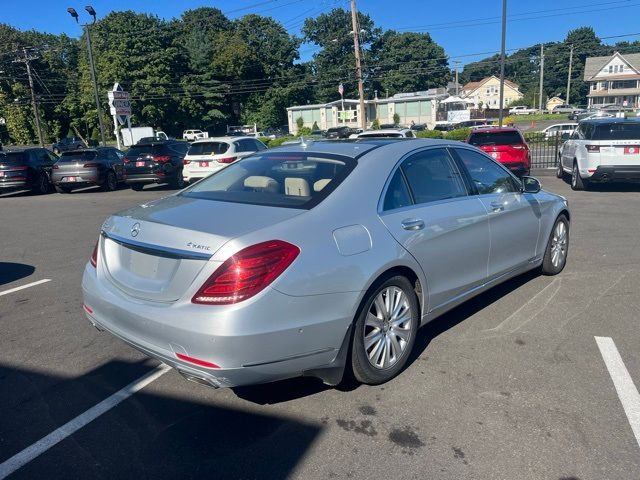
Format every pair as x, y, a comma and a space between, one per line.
320, 184
297, 187
259, 183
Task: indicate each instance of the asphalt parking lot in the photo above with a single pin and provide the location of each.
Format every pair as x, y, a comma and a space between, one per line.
512, 385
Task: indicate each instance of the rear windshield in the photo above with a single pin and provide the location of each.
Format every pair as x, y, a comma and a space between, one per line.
293, 180
138, 150
72, 156
495, 138
14, 157
617, 131
208, 148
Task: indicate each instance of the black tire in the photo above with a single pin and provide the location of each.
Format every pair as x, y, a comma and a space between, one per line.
177, 181
548, 267
560, 170
62, 189
362, 368
110, 183
577, 182
41, 186
137, 186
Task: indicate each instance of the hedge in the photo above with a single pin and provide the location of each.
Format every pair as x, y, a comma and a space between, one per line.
429, 134
458, 134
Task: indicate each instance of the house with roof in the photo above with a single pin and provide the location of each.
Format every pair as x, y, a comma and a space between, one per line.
486, 93
613, 80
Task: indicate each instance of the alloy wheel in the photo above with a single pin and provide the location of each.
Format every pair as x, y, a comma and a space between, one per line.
559, 244
387, 329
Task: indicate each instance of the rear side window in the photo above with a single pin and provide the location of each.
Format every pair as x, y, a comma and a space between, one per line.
495, 138
208, 148
73, 156
397, 195
293, 180
617, 131
432, 176
180, 148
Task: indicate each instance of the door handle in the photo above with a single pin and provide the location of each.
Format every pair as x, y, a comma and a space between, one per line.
412, 224
497, 206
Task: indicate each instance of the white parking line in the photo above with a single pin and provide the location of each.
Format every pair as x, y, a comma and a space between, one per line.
627, 391
33, 284
25, 456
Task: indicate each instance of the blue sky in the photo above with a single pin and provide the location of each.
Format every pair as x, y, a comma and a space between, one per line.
462, 27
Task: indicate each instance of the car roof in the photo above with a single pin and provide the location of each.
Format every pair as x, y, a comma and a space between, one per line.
357, 147
492, 129
386, 130
599, 120
228, 138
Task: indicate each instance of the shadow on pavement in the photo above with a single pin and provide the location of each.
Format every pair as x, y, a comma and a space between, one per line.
148, 435
10, 272
459, 314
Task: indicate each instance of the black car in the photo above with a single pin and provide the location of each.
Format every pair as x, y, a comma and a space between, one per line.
97, 166
27, 169
155, 162
68, 143
339, 132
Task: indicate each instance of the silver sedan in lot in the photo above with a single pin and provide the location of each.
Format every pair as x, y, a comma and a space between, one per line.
317, 258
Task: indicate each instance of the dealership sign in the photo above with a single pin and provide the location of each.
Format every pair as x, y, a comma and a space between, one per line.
119, 103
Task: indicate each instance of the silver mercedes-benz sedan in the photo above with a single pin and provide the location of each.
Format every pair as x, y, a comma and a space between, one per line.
318, 258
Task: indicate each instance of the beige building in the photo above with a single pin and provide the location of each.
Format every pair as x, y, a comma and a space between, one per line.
486, 93
613, 80
416, 107
554, 102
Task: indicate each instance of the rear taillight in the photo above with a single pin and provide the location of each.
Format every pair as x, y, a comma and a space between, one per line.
55, 167
519, 147
246, 273
161, 158
19, 168
226, 160
94, 255
90, 165
126, 160
186, 162
593, 148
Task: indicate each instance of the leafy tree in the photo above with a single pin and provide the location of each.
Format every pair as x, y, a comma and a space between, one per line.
408, 62
396, 119
335, 62
299, 123
375, 125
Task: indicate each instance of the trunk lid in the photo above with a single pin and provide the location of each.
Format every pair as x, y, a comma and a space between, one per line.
620, 152
155, 251
507, 153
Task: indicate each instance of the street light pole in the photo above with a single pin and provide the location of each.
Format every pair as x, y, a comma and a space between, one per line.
502, 55
569, 75
356, 47
92, 68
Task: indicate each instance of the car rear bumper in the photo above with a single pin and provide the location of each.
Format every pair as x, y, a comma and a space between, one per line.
518, 169
616, 173
14, 185
82, 178
145, 178
271, 337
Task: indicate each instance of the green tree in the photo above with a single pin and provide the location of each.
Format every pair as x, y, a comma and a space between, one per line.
335, 62
408, 62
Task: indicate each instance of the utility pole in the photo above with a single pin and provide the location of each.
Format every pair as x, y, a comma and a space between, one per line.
541, 76
502, 55
456, 63
95, 84
356, 47
26, 59
569, 75
90, 10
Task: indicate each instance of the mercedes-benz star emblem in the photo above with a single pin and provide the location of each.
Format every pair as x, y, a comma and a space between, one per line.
135, 230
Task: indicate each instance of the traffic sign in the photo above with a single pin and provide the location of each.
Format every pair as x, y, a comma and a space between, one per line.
341, 89
119, 103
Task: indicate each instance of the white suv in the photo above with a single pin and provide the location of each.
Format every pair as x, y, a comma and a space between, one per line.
602, 150
212, 154
191, 135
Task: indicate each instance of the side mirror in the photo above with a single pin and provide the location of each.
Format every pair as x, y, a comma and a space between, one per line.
530, 185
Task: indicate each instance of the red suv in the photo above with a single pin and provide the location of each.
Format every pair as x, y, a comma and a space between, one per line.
506, 145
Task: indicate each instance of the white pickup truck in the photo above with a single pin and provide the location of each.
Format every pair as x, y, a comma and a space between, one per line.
522, 110
191, 135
